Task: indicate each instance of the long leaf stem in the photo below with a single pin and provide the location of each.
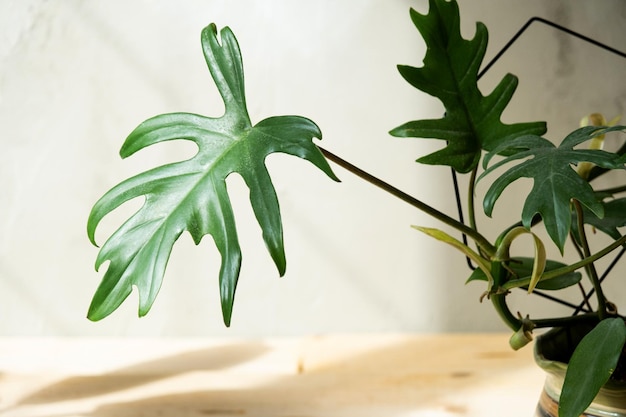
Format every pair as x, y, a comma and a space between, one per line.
471, 189
580, 264
502, 308
499, 302
566, 320
580, 285
480, 240
605, 274
471, 194
590, 267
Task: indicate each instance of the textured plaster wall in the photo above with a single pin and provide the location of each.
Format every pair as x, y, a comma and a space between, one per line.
77, 76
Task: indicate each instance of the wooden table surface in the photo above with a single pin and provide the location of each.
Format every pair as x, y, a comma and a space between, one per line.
323, 376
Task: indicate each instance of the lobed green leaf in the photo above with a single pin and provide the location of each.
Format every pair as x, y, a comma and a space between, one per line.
472, 121
555, 182
191, 195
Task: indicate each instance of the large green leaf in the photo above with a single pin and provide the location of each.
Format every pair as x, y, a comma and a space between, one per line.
191, 195
555, 182
591, 366
472, 121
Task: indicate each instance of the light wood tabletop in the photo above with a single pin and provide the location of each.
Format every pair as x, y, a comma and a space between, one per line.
320, 376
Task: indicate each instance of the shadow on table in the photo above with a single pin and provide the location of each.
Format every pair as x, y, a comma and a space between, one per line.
388, 380
212, 358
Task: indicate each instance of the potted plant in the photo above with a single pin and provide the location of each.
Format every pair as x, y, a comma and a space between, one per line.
191, 196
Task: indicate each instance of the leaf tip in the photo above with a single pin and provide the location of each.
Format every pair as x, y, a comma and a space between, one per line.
209, 30
227, 316
94, 313
91, 231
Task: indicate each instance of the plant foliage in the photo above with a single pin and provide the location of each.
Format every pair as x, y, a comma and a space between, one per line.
591, 366
561, 198
472, 121
191, 195
523, 269
613, 218
555, 182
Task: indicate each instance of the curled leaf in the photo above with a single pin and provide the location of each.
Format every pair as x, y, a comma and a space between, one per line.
442, 236
523, 266
539, 263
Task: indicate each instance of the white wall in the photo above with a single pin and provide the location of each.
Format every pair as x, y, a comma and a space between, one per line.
76, 77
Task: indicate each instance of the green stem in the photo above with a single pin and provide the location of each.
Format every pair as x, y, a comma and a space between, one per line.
480, 240
470, 199
580, 264
522, 282
566, 321
471, 209
590, 267
582, 256
501, 307
499, 302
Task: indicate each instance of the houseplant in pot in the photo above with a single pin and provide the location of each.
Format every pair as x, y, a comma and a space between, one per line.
191, 196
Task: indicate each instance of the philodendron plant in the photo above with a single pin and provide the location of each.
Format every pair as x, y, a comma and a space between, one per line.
191, 195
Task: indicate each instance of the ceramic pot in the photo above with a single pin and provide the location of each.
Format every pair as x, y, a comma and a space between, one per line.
552, 352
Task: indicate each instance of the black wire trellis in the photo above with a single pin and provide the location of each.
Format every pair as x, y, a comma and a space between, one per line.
587, 296
416, 203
